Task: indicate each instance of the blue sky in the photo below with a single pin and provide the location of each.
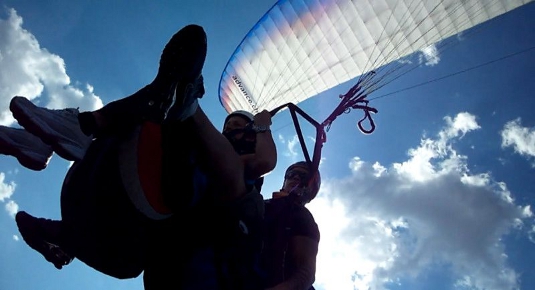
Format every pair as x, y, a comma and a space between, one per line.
438, 197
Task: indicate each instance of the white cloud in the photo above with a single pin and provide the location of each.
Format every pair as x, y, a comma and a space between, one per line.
16, 238
420, 167
522, 139
12, 208
290, 145
381, 224
429, 56
28, 70
531, 234
460, 125
6, 189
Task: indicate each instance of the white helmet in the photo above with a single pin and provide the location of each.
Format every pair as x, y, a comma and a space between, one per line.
245, 114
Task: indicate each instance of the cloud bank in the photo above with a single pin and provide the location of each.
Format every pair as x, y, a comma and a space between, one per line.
29, 70
382, 224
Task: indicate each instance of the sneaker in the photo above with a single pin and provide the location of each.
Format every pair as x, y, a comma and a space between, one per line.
190, 92
181, 64
34, 232
58, 128
30, 151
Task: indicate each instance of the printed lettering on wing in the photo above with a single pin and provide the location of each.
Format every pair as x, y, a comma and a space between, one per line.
250, 100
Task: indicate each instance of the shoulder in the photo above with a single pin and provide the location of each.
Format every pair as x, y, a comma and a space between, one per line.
302, 211
303, 223
282, 212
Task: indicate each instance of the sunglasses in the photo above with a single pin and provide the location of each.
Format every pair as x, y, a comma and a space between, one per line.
301, 175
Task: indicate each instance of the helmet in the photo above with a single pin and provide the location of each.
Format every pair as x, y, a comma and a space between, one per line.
312, 184
241, 113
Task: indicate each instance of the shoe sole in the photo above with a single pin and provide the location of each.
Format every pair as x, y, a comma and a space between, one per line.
181, 62
20, 108
184, 55
25, 158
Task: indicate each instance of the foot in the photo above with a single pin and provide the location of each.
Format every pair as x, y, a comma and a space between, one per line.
58, 128
186, 97
34, 230
30, 151
181, 66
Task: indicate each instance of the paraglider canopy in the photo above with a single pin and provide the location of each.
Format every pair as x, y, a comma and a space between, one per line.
300, 48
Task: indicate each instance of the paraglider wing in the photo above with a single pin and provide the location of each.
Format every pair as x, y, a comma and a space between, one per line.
301, 48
